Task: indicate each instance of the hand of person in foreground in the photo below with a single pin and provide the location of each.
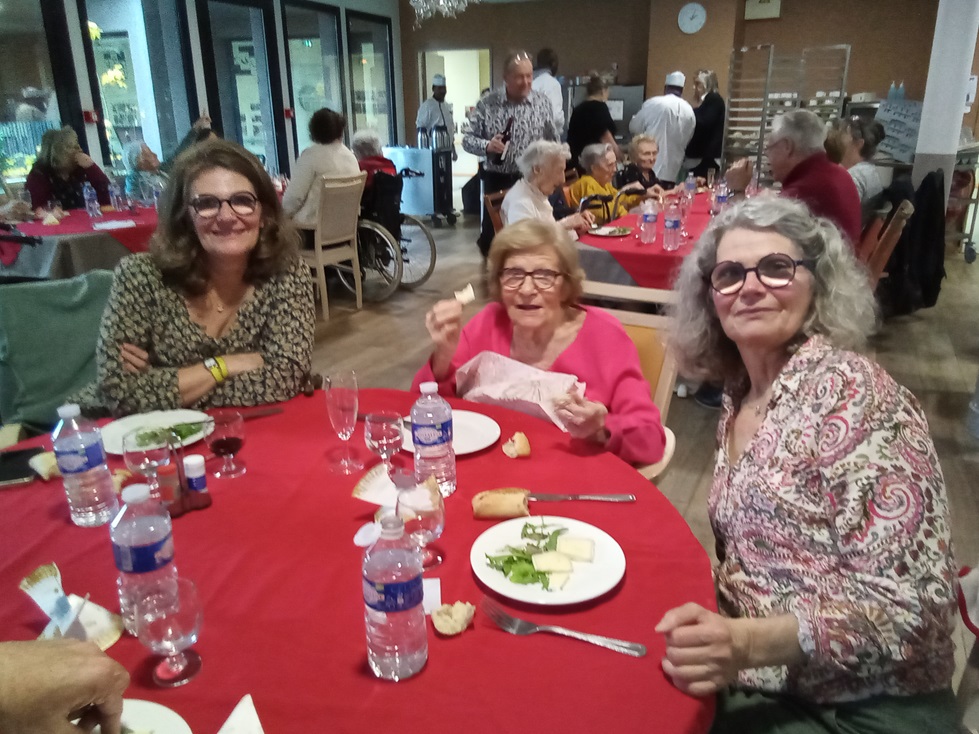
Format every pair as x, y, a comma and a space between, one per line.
584, 418
702, 652
46, 684
444, 324
738, 176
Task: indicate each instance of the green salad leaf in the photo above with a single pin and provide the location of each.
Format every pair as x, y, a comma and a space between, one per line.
517, 563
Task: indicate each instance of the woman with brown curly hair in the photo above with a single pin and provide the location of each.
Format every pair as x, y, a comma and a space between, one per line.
220, 311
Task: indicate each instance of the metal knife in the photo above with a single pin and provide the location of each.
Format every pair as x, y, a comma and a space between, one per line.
542, 497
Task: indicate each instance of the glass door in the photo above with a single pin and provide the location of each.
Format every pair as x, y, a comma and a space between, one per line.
313, 58
372, 75
241, 73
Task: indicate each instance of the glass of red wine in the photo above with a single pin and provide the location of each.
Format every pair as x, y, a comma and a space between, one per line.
226, 440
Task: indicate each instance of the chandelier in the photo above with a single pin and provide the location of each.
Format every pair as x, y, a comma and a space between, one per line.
425, 9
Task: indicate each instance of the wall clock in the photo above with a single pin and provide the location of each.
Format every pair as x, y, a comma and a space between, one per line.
691, 18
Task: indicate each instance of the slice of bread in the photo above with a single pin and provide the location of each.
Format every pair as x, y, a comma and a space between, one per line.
517, 446
501, 503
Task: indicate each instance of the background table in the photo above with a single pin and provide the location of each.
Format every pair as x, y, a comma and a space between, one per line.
280, 582
627, 261
74, 246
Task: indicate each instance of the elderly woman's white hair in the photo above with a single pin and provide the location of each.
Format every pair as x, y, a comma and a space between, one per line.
538, 154
131, 154
365, 143
591, 154
843, 308
805, 129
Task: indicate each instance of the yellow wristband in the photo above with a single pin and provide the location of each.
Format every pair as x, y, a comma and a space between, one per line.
224, 367
212, 366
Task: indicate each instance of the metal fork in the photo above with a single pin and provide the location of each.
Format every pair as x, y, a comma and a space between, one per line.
516, 626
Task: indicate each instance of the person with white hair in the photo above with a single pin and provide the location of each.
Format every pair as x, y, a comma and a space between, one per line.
142, 168
436, 112
599, 163
366, 145
799, 162
704, 148
542, 168
668, 119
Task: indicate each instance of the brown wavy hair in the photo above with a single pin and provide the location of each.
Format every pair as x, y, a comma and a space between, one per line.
175, 248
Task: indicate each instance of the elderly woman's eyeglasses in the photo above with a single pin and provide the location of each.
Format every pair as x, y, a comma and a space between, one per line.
773, 271
513, 278
207, 207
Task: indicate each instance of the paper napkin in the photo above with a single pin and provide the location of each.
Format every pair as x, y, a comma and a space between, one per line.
243, 720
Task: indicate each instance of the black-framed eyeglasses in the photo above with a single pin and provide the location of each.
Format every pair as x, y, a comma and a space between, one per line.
207, 206
773, 271
513, 278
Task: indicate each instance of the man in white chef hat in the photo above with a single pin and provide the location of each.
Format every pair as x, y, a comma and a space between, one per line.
436, 112
670, 120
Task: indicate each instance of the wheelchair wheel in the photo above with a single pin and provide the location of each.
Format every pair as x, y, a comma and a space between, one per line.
380, 262
417, 252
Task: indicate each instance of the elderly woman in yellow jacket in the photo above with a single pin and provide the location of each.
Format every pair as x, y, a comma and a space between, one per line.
598, 160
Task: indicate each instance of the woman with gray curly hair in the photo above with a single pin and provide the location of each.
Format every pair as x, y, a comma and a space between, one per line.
599, 162
835, 580
542, 168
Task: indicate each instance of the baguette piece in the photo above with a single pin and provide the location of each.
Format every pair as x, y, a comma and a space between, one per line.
517, 446
501, 503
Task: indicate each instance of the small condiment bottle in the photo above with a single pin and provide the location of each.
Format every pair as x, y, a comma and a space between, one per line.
169, 484
195, 473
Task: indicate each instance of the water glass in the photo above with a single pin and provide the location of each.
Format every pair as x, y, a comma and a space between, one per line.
168, 624
225, 432
383, 434
145, 450
341, 405
711, 173
423, 512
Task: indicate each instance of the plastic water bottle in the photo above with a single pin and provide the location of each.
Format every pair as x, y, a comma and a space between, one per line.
671, 227
91, 200
690, 185
81, 460
720, 198
647, 225
431, 432
142, 546
397, 638
115, 195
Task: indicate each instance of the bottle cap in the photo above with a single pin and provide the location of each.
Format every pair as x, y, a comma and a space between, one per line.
136, 493
68, 411
428, 388
392, 527
194, 464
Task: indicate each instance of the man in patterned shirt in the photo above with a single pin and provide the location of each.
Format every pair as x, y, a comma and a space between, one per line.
532, 118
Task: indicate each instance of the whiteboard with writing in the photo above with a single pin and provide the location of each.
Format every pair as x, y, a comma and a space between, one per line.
901, 120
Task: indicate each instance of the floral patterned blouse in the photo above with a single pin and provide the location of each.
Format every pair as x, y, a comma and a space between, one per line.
836, 513
276, 321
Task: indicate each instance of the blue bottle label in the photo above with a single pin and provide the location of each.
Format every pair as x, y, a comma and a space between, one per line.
80, 459
397, 596
197, 484
432, 435
143, 558
672, 223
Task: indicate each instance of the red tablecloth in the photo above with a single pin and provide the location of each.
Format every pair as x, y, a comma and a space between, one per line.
650, 265
135, 238
283, 611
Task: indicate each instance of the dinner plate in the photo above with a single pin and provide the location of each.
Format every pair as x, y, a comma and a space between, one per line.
587, 581
471, 432
607, 231
112, 433
146, 717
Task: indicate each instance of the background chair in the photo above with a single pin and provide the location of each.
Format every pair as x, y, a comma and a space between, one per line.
871, 233
48, 334
648, 331
493, 204
877, 260
335, 239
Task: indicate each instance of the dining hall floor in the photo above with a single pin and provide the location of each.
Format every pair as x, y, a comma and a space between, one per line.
934, 353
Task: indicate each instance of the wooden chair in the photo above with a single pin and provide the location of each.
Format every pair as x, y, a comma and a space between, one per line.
335, 239
648, 332
493, 203
888, 241
570, 176
566, 189
871, 235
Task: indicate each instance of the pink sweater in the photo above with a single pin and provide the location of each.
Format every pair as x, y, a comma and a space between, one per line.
602, 356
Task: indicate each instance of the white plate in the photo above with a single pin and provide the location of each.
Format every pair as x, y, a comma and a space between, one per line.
588, 580
113, 432
146, 717
471, 432
607, 231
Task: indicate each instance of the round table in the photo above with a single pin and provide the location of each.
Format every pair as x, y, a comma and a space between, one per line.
280, 583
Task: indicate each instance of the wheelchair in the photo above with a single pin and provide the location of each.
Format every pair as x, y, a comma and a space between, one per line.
395, 249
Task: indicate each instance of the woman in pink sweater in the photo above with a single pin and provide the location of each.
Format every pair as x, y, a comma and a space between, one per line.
536, 280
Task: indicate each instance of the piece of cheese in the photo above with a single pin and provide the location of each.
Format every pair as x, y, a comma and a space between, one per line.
466, 296
577, 549
552, 561
557, 580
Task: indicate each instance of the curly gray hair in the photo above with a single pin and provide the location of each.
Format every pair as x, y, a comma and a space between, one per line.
592, 154
538, 153
843, 308
365, 143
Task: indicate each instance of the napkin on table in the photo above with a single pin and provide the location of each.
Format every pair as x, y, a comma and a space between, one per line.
243, 720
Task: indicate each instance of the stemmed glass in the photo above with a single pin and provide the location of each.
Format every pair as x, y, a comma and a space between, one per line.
383, 435
225, 439
711, 173
341, 404
145, 450
686, 201
168, 623
423, 512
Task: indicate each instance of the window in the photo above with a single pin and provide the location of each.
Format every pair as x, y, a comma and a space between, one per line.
371, 75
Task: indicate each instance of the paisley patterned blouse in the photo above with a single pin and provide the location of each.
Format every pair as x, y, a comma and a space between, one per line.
277, 321
836, 513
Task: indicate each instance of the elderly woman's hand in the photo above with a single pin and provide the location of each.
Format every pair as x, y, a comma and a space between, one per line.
578, 222
703, 649
134, 359
738, 176
584, 418
656, 192
444, 324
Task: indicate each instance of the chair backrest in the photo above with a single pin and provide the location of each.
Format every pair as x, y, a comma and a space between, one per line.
339, 209
48, 334
571, 175
870, 236
566, 189
493, 203
384, 206
888, 240
648, 331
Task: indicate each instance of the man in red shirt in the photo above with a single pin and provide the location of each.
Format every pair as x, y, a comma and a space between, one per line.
798, 160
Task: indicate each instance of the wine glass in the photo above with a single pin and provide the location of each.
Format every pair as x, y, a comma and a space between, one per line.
383, 435
711, 173
225, 439
686, 201
145, 450
423, 512
168, 623
341, 404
